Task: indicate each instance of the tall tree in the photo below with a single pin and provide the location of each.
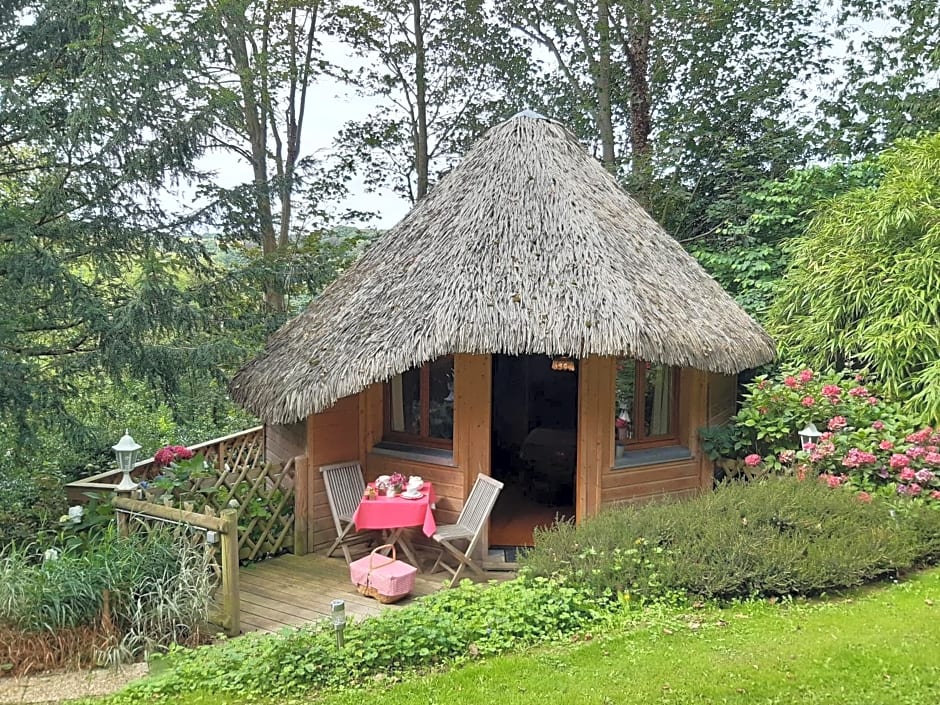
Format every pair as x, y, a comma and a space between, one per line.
861, 286
95, 116
888, 85
442, 72
262, 58
678, 89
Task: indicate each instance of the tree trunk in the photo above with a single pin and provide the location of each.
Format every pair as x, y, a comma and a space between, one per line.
256, 128
641, 119
604, 111
421, 145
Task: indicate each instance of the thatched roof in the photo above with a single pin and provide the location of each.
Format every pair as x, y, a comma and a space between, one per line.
527, 246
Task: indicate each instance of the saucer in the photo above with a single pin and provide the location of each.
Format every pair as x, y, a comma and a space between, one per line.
409, 495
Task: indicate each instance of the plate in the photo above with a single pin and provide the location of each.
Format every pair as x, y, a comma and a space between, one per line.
416, 495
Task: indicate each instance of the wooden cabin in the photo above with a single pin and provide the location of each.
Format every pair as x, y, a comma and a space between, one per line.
527, 320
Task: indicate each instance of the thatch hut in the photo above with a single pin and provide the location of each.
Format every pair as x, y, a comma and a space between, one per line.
527, 319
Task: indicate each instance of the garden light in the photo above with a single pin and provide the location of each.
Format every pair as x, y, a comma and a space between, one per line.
338, 616
126, 452
809, 436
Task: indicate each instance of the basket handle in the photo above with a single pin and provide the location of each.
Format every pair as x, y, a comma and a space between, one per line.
391, 559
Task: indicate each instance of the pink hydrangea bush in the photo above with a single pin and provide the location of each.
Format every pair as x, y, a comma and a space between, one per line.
866, 444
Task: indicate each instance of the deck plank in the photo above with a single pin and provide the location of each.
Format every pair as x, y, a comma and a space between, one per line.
290, 591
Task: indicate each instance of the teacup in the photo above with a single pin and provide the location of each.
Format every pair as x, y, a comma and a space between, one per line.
415, 483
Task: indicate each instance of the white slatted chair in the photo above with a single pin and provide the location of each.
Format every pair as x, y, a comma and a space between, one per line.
476, 510
344, 487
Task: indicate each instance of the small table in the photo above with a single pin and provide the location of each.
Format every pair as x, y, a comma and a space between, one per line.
395, 514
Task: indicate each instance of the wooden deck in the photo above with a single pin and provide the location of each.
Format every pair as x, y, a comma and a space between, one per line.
289, 591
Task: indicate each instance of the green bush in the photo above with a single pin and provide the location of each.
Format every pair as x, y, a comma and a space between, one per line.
447, 627
776, 537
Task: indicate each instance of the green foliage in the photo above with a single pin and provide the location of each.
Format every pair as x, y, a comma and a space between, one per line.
861, 287
747, 252
772, 538
878, 647
30, 500
448, 627
776, 409
156, 588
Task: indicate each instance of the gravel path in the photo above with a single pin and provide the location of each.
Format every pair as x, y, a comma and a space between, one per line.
60, 687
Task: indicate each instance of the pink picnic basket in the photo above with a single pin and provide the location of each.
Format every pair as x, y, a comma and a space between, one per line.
383, 577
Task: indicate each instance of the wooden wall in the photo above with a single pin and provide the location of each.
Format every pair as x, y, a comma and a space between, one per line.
332, 437
354, 425
283, 442
722, 398
677, 477
452, 479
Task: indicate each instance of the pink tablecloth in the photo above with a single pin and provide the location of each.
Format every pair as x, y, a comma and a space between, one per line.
397, 512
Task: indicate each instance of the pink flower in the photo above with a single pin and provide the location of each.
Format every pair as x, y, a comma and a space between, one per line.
916, 452
753, 460
837, 422
935, 494
170, 454
878, 425
864, 497
833, 480
873, 401
786, 456
831, 390
808, 401
924, 476
859, 378
886, 445
914, 489
762, 384
762, 410
907, 474
899, 461
801, 471
791, 382
858, 392
932, 458
855, 458
806, 375
921, 436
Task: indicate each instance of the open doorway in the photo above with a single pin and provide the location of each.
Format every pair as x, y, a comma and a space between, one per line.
534, 445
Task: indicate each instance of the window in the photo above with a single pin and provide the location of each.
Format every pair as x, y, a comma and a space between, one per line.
646, 404
419, 405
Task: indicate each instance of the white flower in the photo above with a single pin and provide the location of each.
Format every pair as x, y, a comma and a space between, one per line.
50, 554
76, 513
233, 503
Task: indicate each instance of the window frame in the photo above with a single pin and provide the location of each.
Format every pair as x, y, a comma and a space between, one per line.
638, 411
422, 439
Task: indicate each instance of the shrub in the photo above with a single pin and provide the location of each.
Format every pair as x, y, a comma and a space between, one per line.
776, 537
867, 442
140, 593
443, 628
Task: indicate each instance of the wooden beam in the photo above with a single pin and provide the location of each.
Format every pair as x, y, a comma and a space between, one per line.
301, 505
231, 607
161, 511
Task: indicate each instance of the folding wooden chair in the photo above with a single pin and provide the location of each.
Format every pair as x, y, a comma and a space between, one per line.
468, 528
344, 487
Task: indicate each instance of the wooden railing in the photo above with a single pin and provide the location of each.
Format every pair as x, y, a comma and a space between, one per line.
232, 451
132, 513
238, 477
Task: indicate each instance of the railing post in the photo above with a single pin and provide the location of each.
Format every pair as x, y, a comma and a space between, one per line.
229, 548
301, 489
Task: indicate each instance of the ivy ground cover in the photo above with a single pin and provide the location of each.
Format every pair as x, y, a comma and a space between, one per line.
875, 646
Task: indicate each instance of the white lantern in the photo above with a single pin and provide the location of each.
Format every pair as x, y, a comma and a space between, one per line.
126, 453
809, 435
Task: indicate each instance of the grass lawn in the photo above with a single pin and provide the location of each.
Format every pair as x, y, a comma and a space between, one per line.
880, 646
